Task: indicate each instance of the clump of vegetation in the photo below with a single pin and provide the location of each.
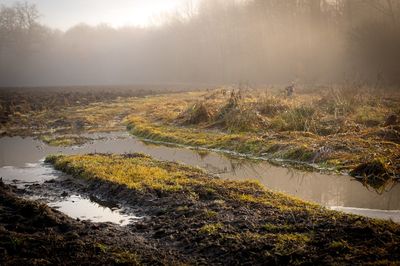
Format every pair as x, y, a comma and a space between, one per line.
341, 101
270, 105
228, 113
391, 134
301, 118
375, 173
242, 120
210, 229
197, 113
330, 111
370, 169
253, 224
370, 116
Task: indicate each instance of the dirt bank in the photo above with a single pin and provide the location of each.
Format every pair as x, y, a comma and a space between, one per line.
212, 221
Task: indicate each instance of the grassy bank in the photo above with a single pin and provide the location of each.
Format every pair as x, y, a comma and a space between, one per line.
333, 129
244, 143
352, 129
211, 221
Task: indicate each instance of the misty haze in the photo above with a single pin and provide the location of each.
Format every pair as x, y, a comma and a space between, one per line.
211, 132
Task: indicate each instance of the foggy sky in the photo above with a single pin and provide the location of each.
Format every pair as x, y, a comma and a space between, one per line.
63, 14
212, 42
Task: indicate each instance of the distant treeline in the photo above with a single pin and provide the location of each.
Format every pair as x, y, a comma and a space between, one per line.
219, 41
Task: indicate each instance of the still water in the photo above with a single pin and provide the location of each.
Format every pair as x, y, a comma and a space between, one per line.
21, 162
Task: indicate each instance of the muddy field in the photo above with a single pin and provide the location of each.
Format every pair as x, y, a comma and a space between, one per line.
191, 216
33, 111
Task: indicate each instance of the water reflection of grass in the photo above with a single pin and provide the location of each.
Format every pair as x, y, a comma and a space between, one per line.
65, 140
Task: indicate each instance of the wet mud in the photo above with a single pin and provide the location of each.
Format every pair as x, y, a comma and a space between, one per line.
33, 234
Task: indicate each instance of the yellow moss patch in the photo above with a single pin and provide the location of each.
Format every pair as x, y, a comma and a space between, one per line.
210, 229
137, 172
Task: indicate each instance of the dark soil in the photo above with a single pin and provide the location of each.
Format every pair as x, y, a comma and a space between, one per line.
34, 234
255, 234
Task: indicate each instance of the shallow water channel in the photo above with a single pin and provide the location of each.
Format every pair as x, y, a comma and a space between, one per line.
21, 163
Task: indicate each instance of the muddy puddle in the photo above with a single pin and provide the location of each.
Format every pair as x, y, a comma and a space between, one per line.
21, 162
76, 206
79, 207
30, 173
85, 209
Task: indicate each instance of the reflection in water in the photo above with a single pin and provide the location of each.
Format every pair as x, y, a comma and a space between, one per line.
328, 190
84, 209
28, 174
381, 187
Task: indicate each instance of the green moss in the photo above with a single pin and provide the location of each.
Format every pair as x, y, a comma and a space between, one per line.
210, 229
210, 213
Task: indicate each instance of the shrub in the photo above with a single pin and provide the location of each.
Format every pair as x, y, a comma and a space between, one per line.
271, 105
197, 113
